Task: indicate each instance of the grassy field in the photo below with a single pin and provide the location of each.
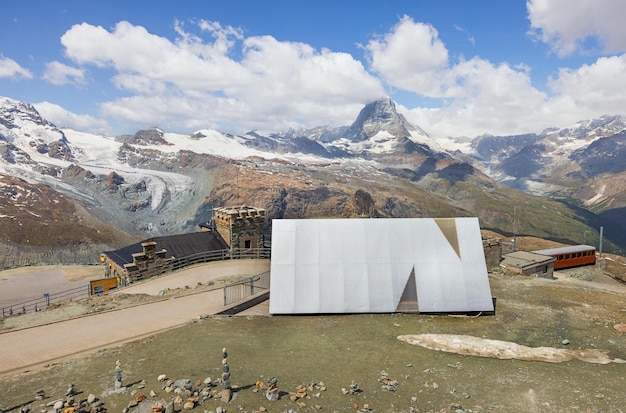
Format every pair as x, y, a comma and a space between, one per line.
329, 353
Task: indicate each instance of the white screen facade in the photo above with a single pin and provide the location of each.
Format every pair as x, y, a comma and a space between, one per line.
330, 266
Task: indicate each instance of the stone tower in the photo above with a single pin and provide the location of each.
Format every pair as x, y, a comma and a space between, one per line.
240, 226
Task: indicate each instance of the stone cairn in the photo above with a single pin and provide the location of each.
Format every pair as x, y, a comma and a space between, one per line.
227, 393
271, 393
118, 375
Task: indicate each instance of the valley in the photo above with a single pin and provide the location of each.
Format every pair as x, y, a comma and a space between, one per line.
69, 195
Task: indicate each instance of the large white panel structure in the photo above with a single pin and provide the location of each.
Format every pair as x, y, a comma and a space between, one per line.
330, 266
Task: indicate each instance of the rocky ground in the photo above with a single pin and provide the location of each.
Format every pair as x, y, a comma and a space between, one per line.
356, 362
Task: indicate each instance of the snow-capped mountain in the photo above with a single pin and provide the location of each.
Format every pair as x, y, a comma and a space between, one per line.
378, 131
146, 178
156, 183
568, 163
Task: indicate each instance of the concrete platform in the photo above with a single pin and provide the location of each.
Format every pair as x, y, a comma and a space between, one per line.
34, 347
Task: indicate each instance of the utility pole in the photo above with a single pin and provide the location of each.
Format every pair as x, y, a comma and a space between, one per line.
601, 236
514, 229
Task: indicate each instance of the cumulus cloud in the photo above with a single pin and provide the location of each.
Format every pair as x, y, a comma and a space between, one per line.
474, 95
410, 57
59, 74
212, 75
11, 69
593, 90
63, 118
567, 26
271, 83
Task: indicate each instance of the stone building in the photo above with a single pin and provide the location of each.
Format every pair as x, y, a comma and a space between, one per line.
241, 227
493, 252
160, 255
529, 263
233, 232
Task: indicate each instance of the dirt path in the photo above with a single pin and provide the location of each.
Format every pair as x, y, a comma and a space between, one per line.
27, 348
40, 345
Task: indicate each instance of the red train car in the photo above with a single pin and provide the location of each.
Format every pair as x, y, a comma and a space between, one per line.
571, 256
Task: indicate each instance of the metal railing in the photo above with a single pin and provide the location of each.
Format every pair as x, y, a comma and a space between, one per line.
240, 290
200, 258
38, 304
78, 293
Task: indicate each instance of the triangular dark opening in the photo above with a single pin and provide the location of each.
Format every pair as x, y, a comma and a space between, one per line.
408, 300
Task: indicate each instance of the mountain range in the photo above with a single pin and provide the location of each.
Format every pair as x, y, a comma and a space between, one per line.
64, 190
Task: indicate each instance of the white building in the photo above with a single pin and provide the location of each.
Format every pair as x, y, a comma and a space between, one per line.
324, 266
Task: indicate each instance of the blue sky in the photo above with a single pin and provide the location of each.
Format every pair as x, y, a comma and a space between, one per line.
454, 67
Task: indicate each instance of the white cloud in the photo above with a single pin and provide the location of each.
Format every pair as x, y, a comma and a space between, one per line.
486, 98
466, 32
593, 90
500, 100
566, 25
215, 76
11, 69
59, 74
272, 85
62, 118
410, 57
475, 95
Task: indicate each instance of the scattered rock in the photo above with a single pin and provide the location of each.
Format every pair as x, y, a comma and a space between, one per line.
226, 395
189, 404
387, 383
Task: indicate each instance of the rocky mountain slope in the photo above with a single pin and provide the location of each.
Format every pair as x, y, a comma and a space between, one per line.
157, 183
583, 165
573, 163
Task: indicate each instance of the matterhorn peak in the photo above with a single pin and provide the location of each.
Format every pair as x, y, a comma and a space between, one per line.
381, 115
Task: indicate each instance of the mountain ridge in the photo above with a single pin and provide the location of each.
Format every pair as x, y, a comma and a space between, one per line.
157, 183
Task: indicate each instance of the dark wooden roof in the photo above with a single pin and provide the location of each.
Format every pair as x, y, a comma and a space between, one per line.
177, 246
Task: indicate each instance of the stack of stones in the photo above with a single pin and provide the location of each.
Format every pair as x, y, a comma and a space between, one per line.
272, 389
227, 393
118, 375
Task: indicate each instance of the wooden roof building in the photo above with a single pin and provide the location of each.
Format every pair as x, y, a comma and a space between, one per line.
159, 255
